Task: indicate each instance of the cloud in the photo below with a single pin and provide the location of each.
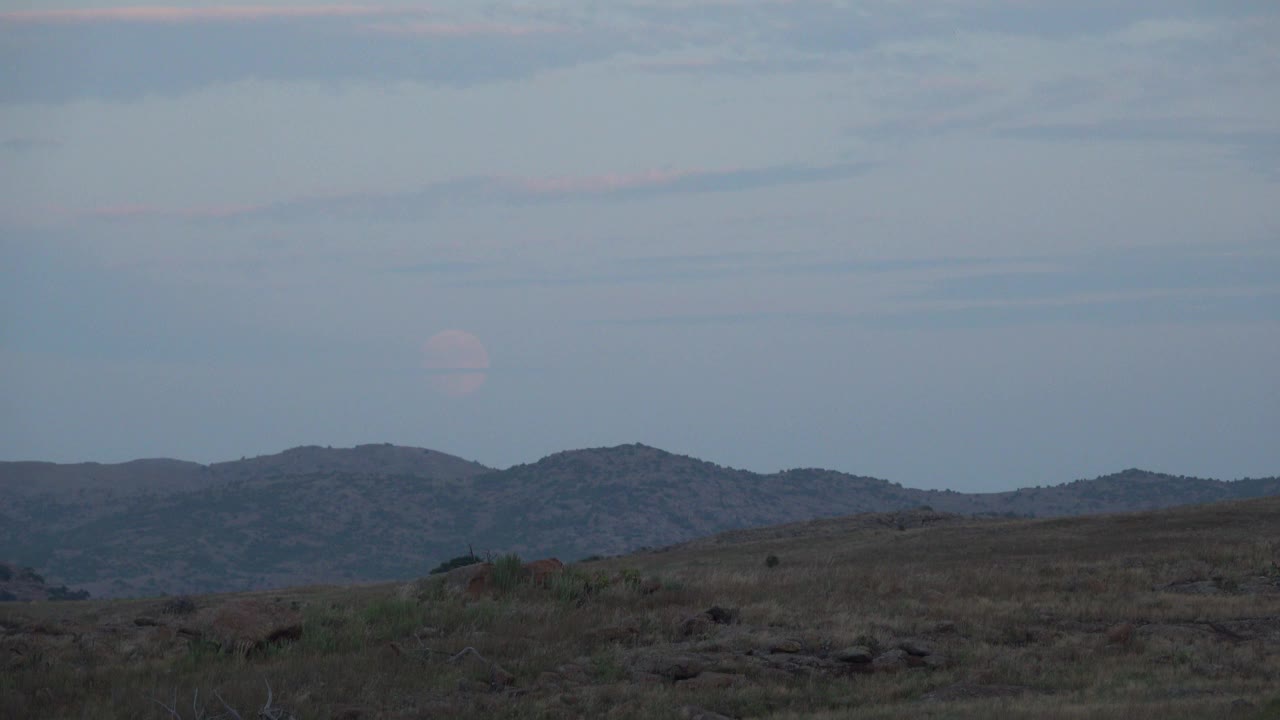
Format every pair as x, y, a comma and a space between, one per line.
466, 29
27, 144
131, 53
230, 13
1153, 286
488, 190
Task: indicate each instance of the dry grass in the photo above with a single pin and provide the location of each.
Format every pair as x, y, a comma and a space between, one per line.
1075, 613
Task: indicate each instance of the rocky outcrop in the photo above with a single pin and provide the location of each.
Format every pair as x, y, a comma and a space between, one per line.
244, 626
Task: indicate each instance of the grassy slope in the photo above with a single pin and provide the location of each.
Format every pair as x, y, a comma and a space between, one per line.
1075, 611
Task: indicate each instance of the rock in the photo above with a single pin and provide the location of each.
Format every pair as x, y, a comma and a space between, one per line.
1121, 634
973, 691
540, 572
549, 680
945, 627
623, 631
244, 626
694, 625
470, 581
1240, 706
891, 661
722, 616
671, 667
181, 605
145, 622
936, 662
855, 654
691, 712
711, 681
917, 648
789, 645
483, 669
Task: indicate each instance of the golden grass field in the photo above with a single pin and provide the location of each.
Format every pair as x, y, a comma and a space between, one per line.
1162, 615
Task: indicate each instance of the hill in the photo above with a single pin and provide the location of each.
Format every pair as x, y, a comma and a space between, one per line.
1168, 614
379, 512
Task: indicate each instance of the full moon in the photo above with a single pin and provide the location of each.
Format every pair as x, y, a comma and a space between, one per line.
456, 360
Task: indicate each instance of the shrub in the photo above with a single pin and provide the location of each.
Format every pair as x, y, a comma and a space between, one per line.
508, 572
631, 578
181, 605
62, 593
30, 575
771, 561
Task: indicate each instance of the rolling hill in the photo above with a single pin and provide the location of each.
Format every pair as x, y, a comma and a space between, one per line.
378, 512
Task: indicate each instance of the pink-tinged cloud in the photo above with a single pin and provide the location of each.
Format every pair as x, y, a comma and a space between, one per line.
472, 29
226, 13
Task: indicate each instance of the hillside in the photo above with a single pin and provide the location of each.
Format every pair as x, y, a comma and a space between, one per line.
1163, 615
379, 512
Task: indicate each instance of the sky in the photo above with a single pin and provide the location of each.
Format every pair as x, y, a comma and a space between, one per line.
967, 244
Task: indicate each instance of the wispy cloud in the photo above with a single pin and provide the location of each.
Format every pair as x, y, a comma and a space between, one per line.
25, 144
490, 189
466, 29
175, 14
130, 53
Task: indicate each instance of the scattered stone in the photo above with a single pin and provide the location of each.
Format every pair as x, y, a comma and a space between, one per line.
1121, 634
917, 648
349, 712
711, 681
723, 616
789, 645
690, 712
1240, 706
973, 691
891, 661
855, 654
694, 625
488, 671
671, 667
936, 662
623, 631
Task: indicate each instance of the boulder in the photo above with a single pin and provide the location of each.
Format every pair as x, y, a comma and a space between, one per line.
540, 571
891, 661
918, 648
711, 681
855, 654
244, 626
469, 581
669, 666
790, 645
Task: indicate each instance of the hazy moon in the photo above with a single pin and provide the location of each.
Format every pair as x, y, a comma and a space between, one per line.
456, 360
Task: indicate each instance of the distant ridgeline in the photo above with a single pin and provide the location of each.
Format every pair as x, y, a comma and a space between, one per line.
23, 583
382, 512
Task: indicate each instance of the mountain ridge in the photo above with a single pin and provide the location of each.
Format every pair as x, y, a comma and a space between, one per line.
375, 512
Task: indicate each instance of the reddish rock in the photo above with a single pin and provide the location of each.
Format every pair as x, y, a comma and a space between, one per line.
246, 625
540, 571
